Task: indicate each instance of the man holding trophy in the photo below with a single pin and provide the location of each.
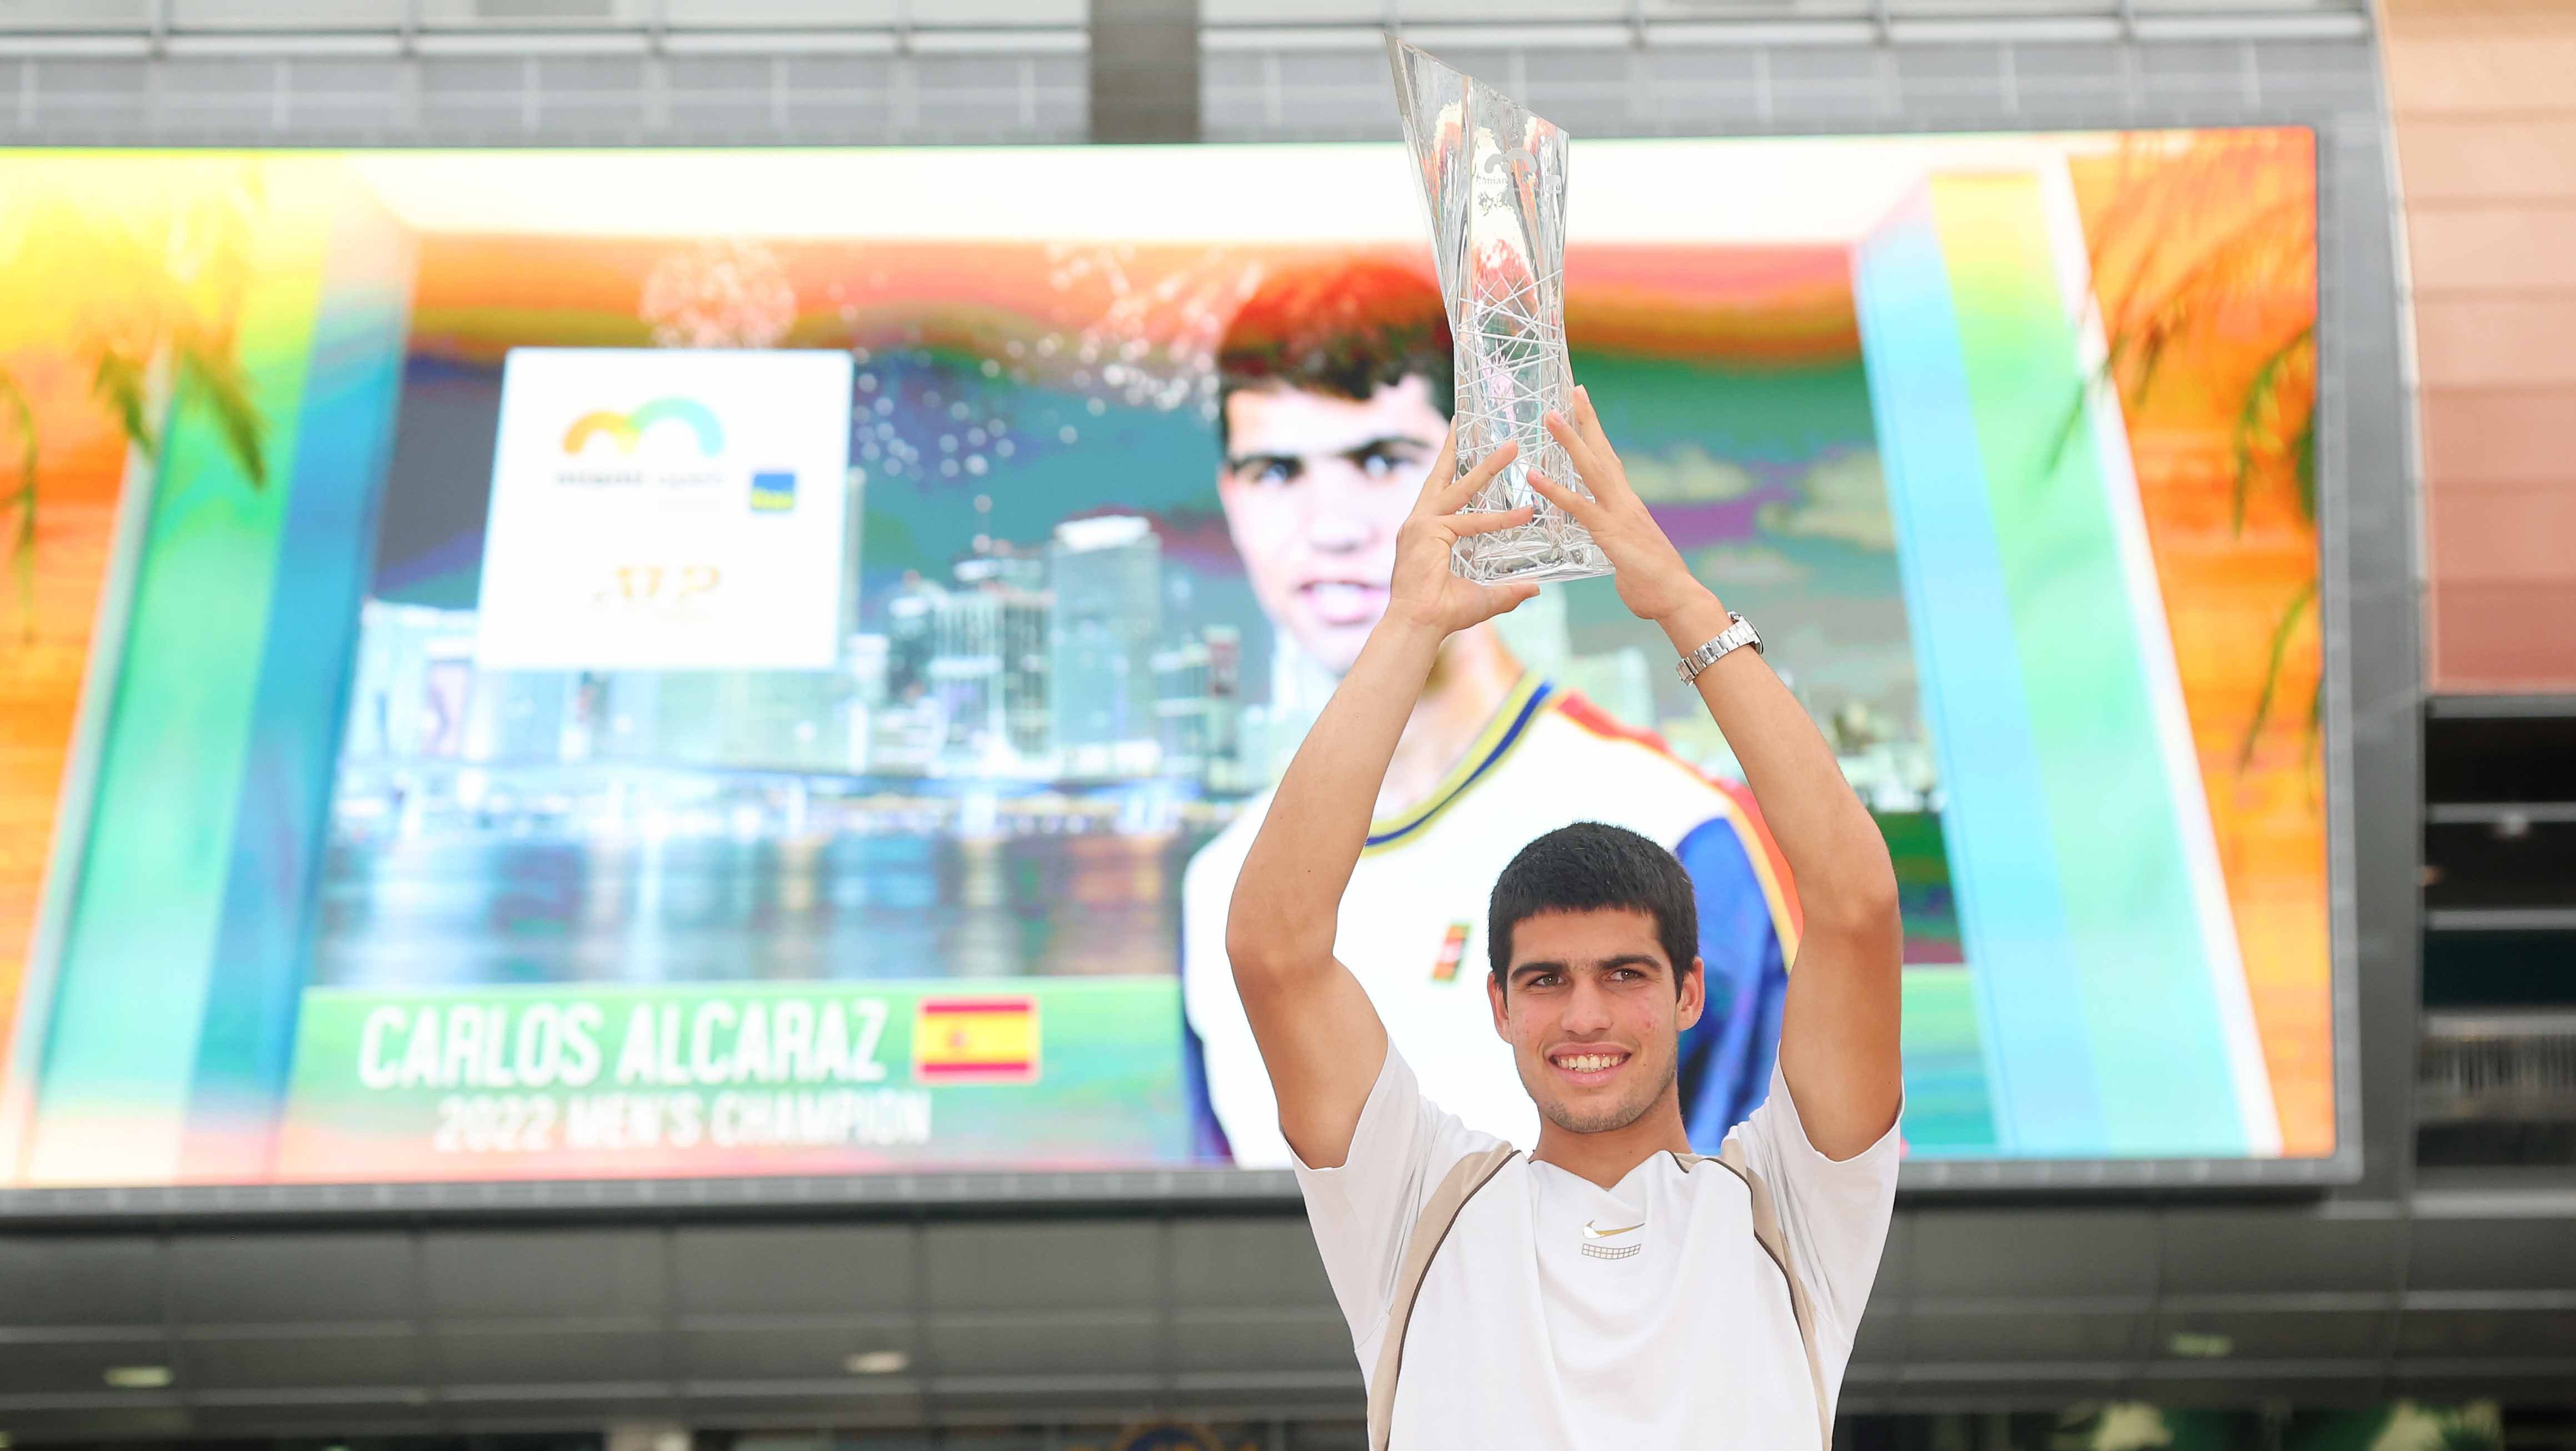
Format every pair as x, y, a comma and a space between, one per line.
1609, 1286
1336, 385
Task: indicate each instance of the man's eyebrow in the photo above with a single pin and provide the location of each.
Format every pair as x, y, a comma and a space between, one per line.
1607, 964
1296, 462
1387, 443
1237, 463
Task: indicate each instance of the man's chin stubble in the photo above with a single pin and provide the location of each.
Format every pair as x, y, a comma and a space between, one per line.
1615, 1117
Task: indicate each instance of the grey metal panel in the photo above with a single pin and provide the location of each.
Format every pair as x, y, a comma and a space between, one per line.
225, 95
2255, 1249
797, 90
1082, 1265
80, 1280
81, 98
593, 96
770, 1270
1950, 1384
968, 95
466, 98
723, 95
550, 1354
791, 1353
2058, 81
1895, 1280
896, 1401
2536, 1253
2314, 72
840, 94
2533, 1380
2373, 619
2351, 1335
1880, 1339
853, 76
1025, 1343
387, 1411
153, 1419
1315, 1339
2015, 1332
1237, 1262
1831, 83
1709, 88
344, 96
1344, 91
2488, 1334
2046, 1252
1950, 83
542, 1274
74, 1366
270, 1279
342, 1359
2186, 73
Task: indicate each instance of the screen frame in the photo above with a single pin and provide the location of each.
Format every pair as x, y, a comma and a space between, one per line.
2345, 752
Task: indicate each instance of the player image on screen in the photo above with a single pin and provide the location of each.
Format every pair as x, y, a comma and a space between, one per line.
1334, 395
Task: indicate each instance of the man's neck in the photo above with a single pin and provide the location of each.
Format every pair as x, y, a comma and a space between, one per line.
1605, 1158
1473, 676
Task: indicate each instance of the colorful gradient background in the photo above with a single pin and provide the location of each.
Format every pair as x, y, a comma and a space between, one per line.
159, 867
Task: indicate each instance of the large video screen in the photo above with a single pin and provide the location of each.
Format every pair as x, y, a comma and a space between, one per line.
649, 664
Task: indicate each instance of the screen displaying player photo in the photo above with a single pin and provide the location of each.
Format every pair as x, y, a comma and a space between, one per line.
671, 664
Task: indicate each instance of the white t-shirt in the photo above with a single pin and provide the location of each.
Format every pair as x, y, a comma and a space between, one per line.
1522, 1338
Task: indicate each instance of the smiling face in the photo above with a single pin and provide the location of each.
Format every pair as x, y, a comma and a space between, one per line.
1590, 1008
1315, 487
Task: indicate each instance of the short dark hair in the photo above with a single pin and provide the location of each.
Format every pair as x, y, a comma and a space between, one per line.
1346, 327
1593, 867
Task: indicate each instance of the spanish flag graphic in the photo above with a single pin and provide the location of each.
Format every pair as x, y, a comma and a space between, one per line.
975, 1040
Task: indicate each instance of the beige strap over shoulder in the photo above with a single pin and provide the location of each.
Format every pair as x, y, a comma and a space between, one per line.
1766, 1232
1430, 1228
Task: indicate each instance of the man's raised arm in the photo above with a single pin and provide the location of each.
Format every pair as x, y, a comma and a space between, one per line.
1319, 1036
1838, 1030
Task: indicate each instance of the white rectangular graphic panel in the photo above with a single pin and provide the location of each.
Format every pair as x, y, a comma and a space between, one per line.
667, 509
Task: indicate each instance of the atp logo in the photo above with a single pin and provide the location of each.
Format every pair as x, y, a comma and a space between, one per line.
628, 429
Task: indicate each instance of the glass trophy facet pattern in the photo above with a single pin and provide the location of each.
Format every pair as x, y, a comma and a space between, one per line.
1493, 178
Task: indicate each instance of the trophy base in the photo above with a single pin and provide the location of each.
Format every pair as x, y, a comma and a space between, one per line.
1546, 552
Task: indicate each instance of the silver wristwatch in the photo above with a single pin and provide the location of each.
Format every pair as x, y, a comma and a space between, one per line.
1737, 634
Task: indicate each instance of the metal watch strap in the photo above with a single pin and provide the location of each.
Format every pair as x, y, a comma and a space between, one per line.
1737, 634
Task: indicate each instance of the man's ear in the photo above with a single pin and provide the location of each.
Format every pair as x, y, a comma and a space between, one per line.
1694, 999
1494, 997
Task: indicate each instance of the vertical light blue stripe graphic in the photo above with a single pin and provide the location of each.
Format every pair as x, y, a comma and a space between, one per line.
1995, 822
335, 488
2138, 950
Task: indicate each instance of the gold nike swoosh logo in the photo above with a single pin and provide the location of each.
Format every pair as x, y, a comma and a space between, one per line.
1590, 1233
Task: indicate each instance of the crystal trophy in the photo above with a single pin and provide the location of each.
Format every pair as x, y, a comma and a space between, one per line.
1493, 178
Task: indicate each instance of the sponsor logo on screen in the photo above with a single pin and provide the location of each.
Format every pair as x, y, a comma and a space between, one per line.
975, 1040
628, 429
1453, 950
